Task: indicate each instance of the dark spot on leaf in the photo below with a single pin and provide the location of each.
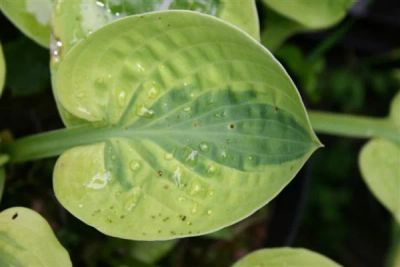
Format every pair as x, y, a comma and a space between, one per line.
232, 126
160, 173
95, 212
182, 217
276, 109
122, 217
14, 216
165, 219
166, 187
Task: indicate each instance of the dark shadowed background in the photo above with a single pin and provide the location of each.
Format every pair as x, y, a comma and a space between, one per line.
352, 68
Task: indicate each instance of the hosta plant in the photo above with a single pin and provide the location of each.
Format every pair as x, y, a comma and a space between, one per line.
178, 122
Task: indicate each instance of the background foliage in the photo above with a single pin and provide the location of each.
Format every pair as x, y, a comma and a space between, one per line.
351, 67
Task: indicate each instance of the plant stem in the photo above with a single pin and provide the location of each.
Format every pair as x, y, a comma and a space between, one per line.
54, 143
353, 126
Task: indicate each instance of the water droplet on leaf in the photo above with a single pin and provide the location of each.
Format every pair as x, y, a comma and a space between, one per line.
194, 209
121, 98
203, 147
168, 156
152, 88
55, 48
211, 169
134, 165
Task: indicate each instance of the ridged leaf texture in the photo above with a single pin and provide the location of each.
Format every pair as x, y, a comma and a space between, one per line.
192, 126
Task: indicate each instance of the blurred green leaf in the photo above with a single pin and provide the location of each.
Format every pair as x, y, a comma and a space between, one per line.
285, 18
277, 30
379, 164
32, 17
2, 181
223, 234
27, 67
2, 69
151, 252
307, 72
310, 13
395, 111
3, 161
26, 239
347, 88
284, 257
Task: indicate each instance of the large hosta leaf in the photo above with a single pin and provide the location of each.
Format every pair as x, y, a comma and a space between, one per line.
310, 13
76, 19
32, 17
285, 257
379, 164
2, 70
27, 240
196, 127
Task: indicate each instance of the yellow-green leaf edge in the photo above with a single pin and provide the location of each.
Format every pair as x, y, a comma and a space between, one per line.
379, 163
2, 70
26, 239
285, 257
